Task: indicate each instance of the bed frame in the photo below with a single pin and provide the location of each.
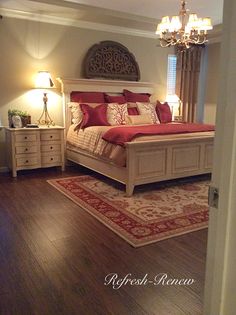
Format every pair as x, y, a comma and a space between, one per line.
146, 162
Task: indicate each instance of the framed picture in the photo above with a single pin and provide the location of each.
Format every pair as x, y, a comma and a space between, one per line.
16, 121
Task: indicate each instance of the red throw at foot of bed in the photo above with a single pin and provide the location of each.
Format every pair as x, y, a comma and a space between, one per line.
121, 135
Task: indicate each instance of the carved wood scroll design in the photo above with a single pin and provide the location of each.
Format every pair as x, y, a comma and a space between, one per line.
110, 60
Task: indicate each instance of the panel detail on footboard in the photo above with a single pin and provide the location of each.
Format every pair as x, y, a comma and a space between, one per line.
208, 157
146, 167
186, 158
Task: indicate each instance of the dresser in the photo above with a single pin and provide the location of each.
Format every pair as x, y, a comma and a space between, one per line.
30, 148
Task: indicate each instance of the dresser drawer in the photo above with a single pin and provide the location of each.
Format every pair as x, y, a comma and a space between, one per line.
51, 147
25, 137
26, 161
50, 135
26, 149
51, 159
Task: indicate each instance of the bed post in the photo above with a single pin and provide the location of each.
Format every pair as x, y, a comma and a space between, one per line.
130, 164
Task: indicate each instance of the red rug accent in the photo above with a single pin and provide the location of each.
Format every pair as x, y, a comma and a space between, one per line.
169, 210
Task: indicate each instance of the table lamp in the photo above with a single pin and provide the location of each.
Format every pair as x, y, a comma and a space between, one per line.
44, 81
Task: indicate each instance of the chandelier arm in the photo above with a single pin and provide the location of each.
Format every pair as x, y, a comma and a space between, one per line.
183, 30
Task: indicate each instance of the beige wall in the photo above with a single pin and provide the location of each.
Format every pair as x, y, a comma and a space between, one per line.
212, 86
27, 47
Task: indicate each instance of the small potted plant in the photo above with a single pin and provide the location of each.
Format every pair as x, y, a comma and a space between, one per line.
24, 117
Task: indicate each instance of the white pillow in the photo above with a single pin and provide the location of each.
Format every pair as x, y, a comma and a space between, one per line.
116, 114
77, 114
139, 119
150, 109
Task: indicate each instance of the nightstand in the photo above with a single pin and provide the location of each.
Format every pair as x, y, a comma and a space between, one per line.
30, 148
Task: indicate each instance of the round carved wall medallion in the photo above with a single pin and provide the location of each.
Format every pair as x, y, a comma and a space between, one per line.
110, 60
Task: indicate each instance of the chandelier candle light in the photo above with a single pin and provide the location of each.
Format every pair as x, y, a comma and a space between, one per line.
44, 81
183, 30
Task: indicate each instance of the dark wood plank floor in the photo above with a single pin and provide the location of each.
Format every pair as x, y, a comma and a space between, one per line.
54, 257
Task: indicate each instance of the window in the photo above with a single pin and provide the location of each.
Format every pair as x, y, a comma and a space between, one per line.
171, 98
171, 74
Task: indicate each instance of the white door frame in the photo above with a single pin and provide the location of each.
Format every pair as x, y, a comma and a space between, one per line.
220, 285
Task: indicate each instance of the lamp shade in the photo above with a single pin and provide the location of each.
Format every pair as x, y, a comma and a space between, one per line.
44, 80
172, 98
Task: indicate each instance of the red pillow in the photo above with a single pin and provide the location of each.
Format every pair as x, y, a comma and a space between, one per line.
120, 99
87, 97
94, 116
136, 97
133, 111
163, 112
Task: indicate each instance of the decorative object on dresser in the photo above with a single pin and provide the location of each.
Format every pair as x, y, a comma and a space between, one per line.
24, 118
110, 60
44, 81
31, 148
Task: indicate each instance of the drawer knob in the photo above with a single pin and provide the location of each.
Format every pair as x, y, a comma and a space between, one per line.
51, 148
26, 138
51, 137
27, 161
51, 159
26, 149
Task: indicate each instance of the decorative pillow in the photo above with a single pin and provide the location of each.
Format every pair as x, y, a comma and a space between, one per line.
116, 113
148, 108
76, 112
133, 111
120, 99
96, 116
164, 112
138, 119
136, 97
87, 97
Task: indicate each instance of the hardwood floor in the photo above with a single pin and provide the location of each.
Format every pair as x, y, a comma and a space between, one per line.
55, 256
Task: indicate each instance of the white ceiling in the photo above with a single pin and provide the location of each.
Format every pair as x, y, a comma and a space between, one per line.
132, 17
158, 8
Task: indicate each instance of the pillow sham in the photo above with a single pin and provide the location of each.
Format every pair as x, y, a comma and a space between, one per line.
96, 116
120, 99
164, 112
138, 119
116, 113
150, 109
87, 97
136, 97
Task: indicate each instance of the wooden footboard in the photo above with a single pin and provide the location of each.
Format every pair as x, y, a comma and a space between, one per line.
149, 162
153, 161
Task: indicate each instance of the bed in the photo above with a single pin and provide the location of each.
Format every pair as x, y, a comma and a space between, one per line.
163, 158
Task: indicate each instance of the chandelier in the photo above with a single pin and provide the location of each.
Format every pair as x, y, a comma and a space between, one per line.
183, 30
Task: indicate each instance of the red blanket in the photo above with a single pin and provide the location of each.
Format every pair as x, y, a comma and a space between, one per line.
121, 135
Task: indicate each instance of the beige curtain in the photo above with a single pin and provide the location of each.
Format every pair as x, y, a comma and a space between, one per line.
187, 74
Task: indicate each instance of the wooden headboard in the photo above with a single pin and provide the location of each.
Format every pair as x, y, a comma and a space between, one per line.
96, 85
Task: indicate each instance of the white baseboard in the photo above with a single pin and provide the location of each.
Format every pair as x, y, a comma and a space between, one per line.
4, 169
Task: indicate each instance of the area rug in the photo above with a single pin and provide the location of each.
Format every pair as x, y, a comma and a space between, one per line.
165, 211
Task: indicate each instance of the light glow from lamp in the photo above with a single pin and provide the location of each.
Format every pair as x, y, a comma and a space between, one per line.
44, 81
174, 102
